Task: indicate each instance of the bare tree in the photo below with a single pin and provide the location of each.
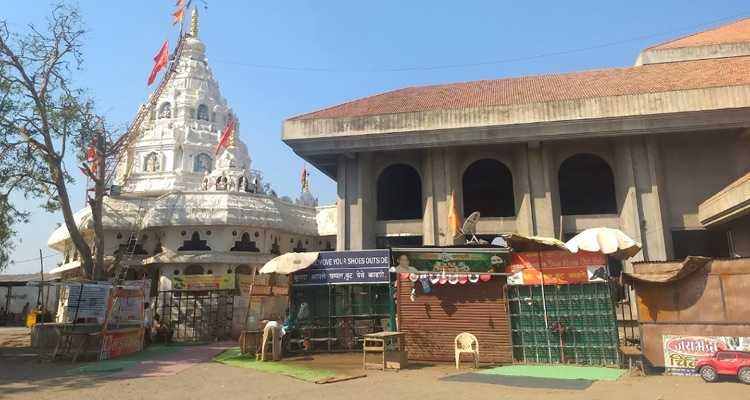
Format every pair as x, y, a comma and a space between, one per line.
43, 116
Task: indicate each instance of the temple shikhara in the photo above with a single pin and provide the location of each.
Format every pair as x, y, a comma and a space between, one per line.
186, 209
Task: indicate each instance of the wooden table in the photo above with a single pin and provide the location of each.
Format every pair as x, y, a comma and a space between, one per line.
392, 349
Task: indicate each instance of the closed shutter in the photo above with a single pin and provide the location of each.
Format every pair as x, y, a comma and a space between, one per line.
433, 320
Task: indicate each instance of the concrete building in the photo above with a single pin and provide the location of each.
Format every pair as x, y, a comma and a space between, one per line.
658, 150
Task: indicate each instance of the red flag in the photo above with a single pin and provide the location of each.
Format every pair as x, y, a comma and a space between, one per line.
90, 153
179, 2
178, 16
160, 61
225, 136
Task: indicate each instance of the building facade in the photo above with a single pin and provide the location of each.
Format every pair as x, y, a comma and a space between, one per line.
185, 208
638, 148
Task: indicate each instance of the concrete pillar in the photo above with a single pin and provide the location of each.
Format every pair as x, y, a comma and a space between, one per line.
628, 201
355, 203
429, 218
655, 234
342, 214
522, 188
540, 184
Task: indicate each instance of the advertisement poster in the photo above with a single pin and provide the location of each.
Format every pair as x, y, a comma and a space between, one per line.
127, 305
559, 267
116, 344
682, 352
450, 260
203, 282
346, 267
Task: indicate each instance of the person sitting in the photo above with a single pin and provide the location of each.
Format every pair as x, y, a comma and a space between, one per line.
160, 332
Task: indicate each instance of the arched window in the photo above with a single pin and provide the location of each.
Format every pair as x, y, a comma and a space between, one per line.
151, 163
194, 270
488, 188
399, 193
203, 112
165, 110
587, 186
202, 163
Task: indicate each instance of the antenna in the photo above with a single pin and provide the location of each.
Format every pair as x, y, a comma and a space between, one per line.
470, 228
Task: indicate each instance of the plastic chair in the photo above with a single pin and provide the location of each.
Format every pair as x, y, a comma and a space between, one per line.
467, 343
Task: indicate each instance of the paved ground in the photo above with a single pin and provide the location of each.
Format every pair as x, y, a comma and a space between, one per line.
25, 375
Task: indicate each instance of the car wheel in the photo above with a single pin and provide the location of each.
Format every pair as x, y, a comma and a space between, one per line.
744, 375
708, 373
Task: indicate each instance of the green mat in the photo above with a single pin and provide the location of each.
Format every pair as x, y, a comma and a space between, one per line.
235, 358
128, 361
557, 372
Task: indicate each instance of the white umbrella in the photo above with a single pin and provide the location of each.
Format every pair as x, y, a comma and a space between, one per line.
604, 240
289, 262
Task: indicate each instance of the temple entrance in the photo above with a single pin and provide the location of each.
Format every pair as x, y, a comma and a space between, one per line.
197, 316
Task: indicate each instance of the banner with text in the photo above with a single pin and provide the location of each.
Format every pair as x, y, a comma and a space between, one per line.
559, 266
346, 267
682, 352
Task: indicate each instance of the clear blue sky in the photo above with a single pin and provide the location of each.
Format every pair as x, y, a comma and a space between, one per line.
328, 52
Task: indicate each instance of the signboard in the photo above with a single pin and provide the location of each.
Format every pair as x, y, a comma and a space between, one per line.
450, 260
559, 267
346, 267
127, 305
83, 302
203, 282
120, 343
682, 352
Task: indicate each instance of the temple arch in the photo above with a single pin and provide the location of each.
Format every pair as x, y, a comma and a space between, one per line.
399, 193
488, 188
587, 186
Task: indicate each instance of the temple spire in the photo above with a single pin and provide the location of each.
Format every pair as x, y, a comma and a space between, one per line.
194, 23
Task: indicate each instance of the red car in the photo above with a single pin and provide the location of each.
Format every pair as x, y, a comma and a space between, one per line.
725, 362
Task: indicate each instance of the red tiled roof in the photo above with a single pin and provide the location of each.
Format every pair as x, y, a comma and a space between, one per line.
652, 78
734, 32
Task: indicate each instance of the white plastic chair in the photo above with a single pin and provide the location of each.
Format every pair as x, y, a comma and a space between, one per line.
467, 343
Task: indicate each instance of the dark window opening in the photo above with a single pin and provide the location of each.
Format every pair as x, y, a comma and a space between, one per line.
132, 247
587, 186
699, 242
329, 247
399, 193
299, 248
275, 249
384, 242
488, 188
195, 244
243, 269
194, 270
245, 244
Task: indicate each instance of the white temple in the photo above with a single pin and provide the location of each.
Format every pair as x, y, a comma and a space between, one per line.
182, 207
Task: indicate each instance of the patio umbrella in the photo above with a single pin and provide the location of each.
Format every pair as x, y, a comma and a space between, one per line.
289, 263
608, 241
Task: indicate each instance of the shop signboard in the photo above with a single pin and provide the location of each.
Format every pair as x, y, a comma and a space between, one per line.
450, 260
682, 352
203, 282
121, 342
559, 267
264, 285
346, 267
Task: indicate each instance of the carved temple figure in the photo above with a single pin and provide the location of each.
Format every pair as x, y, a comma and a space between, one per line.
206, 181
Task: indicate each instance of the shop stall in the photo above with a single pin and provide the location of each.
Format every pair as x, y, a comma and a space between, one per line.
561, 308
444, 291
691, 309
337, 300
